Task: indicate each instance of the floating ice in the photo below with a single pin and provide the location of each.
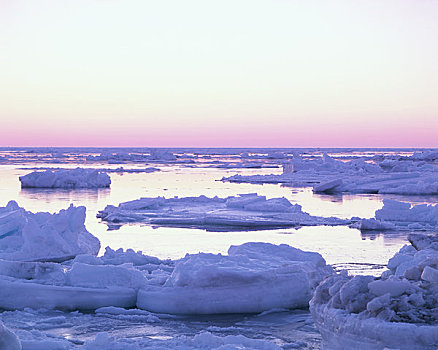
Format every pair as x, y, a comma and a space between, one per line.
402, 216
44, 236
249, 211
356, 176
85, 283
396, 310
66, 178
252, 278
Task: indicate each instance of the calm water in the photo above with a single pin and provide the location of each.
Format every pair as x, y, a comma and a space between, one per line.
341, 246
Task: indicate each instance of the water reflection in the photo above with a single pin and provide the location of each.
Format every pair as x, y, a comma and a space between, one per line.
49, 195
335, 198
338, 245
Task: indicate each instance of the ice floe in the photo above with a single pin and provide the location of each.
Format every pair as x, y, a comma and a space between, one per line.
66, 178
246, 211
397, 310
44, 236
356, 176
397, 215
252, 278
87, 282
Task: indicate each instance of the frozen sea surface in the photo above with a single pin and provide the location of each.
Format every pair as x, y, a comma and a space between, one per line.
195, 173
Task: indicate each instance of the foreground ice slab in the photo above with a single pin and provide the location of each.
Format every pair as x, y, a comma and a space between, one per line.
66, 178
397, 215
85, 283
397, 310
252, 278
327, 175
44, 236
246, 211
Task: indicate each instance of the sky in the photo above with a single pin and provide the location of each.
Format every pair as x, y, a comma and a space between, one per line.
228, 73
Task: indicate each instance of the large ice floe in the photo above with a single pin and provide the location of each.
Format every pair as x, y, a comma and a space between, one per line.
66, 178
395, 311
245, 211
403, 216
328, 175
252, 278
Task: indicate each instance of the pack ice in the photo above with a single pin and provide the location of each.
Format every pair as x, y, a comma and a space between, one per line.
245, 211
49, 261
397, 215
328, 175
397, 310
66, 178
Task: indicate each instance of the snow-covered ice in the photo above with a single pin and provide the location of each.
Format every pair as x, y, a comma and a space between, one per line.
328, 175
396, 310
87, 282
249, 211
396, 215
252, 278
44, 236
66, 178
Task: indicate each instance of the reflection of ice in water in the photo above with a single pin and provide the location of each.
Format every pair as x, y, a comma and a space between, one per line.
336, 244
64, 195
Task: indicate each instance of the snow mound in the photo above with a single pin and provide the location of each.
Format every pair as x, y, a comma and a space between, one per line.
44, 236
66, 178
252, 278
396, 310
246, 211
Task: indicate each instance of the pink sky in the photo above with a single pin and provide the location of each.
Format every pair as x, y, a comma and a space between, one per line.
228, 73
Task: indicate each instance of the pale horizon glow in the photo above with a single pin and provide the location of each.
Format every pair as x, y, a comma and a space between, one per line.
196, 73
